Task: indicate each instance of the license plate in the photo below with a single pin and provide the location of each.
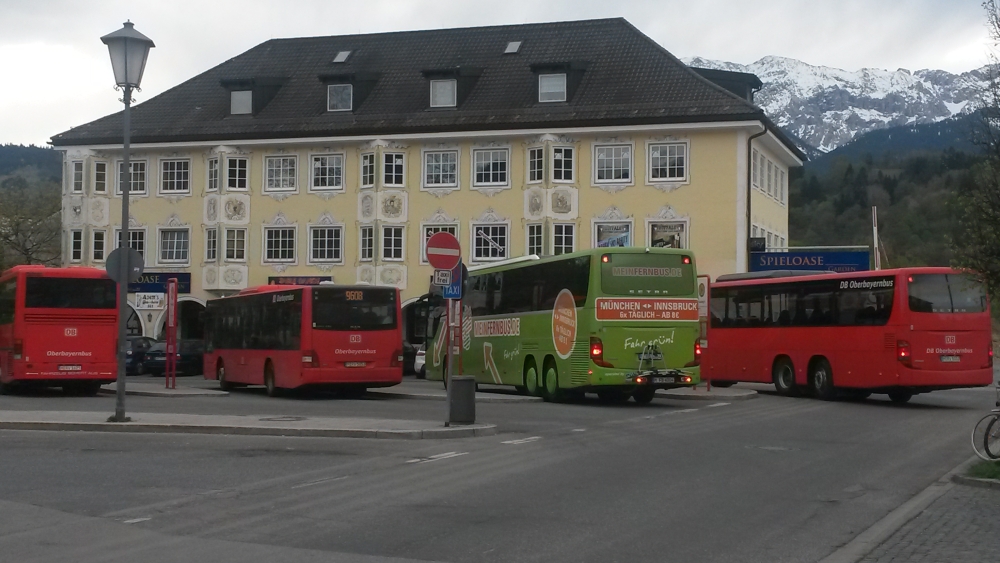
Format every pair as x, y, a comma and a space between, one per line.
663, 380
70, 368
951, 359
653, 356
355, 364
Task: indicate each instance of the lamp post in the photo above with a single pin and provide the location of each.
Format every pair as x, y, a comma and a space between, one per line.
128, 49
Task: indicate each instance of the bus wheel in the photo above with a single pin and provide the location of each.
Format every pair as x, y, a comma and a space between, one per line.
272, 389
552, 391
644, 395
783, 374
900, 397
220, 373
821, 380
531, 380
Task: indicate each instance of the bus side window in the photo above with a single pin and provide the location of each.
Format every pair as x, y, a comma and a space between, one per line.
717, 305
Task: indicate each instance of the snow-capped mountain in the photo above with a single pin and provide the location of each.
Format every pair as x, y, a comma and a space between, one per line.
827, 107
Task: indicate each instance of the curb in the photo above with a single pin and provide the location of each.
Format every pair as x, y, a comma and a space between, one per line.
975, 482
707, 396
474, 431
435, 397
880, 531
168, 393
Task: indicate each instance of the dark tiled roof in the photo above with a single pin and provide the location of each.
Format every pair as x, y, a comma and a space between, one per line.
629, 79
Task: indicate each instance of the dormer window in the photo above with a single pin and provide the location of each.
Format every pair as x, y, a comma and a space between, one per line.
339, 97
444, 93
241, 102
341, 56
512, 48
551, 87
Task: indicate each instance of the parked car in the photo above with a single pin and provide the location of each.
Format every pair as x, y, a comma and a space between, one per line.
420, 362
189, 358
135, 355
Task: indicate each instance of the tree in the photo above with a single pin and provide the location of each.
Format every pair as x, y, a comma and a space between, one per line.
977, 240
29, 223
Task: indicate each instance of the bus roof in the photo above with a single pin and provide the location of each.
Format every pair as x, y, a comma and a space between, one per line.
270, 288
535, 259
809, 275
54, 271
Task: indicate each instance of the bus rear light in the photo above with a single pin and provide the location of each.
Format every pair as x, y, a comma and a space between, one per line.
310, 359
903, 353
597, 352
18, 348
605, 259
686, 259
397, 359
989, 363
697, 356
685, 379
641, 379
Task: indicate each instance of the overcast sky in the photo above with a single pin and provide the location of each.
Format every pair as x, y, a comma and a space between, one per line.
57, 73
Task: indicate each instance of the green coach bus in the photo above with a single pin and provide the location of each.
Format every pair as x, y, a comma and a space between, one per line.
618, 322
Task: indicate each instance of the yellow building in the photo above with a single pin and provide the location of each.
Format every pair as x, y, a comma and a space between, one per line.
337, 157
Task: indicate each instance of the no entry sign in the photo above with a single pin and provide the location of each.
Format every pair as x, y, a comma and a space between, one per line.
443, 251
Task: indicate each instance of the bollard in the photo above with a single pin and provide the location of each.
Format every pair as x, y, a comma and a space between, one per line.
462, 400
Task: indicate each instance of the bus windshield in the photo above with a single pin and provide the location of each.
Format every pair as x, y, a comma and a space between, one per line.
353, 309
69, 293
660, 274
946, 293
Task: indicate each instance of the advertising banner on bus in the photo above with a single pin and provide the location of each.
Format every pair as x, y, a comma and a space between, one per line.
645, 309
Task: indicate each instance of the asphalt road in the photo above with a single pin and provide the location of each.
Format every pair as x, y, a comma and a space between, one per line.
770, 479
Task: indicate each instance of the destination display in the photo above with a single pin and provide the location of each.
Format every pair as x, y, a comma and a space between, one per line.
645, 309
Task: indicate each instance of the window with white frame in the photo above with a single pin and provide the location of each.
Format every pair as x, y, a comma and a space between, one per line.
781, 242
393, 169
236, 245
174, 245
326, 244
366, 240
327, 172
753, 170
279, 244
490, 167
760, 171
212, 183
279, 173
551, 87
431, 230
612, 234
211, 244
77, 186
241, 102
368, 170
756, 232
76, 246
562, 164
236, 177
667, 234
444, 93
535, 239
136, 240
770, 242
339, 97
782, 187
392, 242
563, 239
668, 162
536, 159
174, 176
612, 163
489, 242
100, 177
770, 176
137, 177
97, 245
441, 168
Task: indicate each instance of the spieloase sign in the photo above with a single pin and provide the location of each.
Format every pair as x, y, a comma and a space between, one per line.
645, 309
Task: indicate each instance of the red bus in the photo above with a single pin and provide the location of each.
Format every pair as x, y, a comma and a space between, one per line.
898, 332
58, 327
289, 336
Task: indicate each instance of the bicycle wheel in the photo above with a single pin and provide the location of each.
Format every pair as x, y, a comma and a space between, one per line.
991, 440
980, 437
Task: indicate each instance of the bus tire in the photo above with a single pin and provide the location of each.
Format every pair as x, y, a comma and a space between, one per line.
531, 379
900, 397
269, 384
821, 380
220, 373
783, 376
644, 395
552, 391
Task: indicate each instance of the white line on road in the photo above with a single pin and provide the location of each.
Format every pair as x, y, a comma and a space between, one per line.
437, 457
523, 440
317, 482
680, 411
136, 520
579, 430
716, 405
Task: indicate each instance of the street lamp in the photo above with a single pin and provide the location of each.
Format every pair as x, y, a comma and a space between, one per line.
128, 49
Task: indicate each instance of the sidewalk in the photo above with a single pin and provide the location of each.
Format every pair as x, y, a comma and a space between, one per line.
255, 425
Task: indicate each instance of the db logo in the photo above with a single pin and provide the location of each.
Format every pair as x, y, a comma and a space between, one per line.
70, 332
949, 339
355, 339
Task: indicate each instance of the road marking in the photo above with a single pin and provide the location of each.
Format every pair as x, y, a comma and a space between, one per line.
136, 520
579, 430
680, 411
523, 440
716, 405
317, 482
437, 457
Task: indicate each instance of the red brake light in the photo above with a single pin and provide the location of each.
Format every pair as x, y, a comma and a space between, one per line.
597, 352
606, 258
686, 259
903, 353
989, 365
697, 356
